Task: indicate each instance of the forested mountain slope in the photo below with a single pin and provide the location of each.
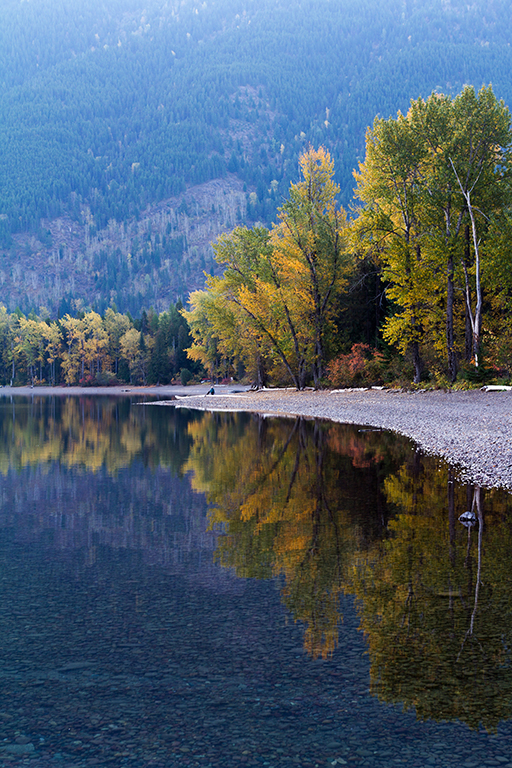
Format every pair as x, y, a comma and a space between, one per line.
132, 132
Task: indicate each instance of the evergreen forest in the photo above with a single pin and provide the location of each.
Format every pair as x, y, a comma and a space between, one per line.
133, 134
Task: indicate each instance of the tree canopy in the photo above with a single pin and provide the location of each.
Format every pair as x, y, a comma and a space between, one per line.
274, 304
433, 183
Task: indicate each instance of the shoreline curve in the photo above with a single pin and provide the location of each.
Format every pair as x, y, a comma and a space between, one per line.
472, 429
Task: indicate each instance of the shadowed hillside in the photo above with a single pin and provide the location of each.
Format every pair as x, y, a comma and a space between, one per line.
133, 133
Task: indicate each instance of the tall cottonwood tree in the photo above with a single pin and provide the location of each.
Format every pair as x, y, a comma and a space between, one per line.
277, 296
479, 158
439, 173
390, 226
442, 212
30, 346
53, 337
224, 333
311, 240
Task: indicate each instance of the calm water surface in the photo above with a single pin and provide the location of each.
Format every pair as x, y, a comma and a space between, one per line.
194, 589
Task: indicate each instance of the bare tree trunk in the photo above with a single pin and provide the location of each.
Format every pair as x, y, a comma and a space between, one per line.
476, 316
260, 373
418, 362
450, 339
13, 368
318, 362
468, 330
477, 319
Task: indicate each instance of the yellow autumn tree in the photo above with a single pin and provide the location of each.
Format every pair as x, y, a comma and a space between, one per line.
275, 301
309, 245
53, 349
224, 330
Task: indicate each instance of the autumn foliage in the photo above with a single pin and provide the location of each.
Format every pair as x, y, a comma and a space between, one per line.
362, 366
273, 308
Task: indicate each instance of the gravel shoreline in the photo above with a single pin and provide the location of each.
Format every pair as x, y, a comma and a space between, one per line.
470, 429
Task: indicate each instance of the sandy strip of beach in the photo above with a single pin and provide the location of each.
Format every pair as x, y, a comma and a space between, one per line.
126, 390
470, 429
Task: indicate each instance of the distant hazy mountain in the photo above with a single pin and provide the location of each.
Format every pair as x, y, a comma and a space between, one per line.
132, 132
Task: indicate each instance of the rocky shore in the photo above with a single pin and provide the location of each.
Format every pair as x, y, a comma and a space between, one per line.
470, 429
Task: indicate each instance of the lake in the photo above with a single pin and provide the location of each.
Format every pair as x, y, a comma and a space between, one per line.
181, 588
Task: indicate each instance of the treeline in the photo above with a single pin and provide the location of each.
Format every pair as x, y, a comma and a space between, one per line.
433, 229
415, 285
89, 349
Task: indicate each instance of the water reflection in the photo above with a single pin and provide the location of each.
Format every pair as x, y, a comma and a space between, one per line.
333, 510
90, 474
435, 601
90, 433
294, 499
327, 510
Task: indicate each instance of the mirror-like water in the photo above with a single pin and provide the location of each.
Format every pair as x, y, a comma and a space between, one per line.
195, 589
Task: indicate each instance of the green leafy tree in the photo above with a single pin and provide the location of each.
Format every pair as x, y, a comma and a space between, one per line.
237, 335
53, 338
480, 159
390, 226
30, 345
116, 325
432, 182
134, 349
8, 324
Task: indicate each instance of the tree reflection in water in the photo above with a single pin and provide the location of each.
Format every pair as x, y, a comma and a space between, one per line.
434, 601
91, 433
328, 509
295, 499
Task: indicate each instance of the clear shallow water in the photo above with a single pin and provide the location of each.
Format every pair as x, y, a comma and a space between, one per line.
182, 589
